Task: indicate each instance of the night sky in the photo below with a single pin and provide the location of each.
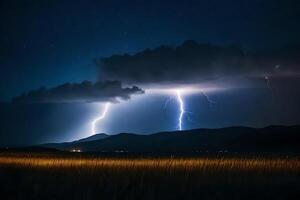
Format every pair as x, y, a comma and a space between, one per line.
57, 45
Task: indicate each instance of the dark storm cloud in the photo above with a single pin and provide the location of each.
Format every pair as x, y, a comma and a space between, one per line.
107, 91
195, 63
280, 62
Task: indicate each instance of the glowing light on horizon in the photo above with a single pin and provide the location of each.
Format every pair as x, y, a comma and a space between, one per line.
181, 107
94, 122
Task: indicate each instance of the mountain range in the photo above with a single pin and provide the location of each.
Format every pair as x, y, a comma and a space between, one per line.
272, 139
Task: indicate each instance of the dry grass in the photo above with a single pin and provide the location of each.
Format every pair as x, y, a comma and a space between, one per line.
200, 164
47, 176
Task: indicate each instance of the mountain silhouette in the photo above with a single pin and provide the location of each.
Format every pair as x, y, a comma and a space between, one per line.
98, 136
272, 139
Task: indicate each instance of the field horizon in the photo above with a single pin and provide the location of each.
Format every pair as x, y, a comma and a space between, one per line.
277, 140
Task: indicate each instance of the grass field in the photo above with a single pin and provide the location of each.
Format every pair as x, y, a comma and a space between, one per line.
69, 176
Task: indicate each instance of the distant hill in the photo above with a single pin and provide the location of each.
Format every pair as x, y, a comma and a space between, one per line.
272, 139
62, 146
99, 136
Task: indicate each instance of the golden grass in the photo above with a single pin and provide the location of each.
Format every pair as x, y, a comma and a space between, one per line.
78, 176
201, 164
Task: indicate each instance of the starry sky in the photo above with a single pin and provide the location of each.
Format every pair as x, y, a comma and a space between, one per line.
50, 43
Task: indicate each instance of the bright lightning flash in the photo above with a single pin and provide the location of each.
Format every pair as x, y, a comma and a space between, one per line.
179, 92
181, 106
94, 122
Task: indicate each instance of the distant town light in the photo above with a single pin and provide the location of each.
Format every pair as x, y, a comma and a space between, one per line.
75, 150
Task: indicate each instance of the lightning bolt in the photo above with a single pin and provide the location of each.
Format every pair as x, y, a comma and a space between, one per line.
269, 85
207, 98
102, 116
167, 102
181, 104
181, 107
